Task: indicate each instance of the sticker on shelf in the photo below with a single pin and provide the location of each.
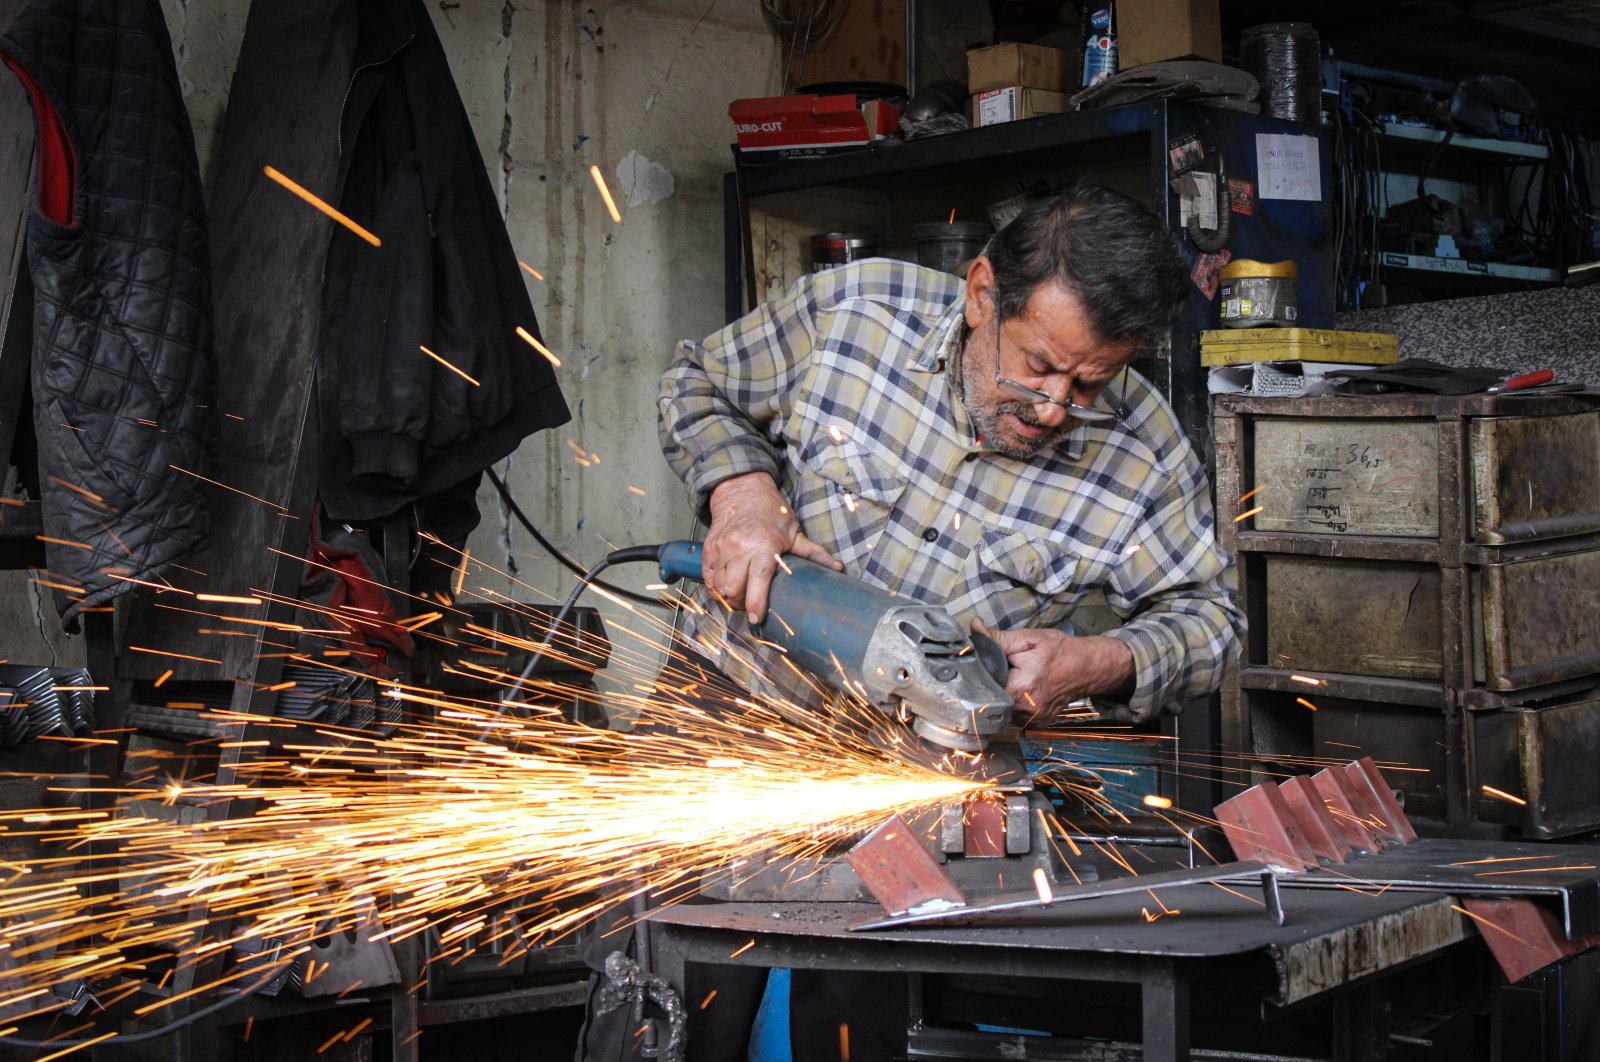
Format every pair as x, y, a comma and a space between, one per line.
1241, 196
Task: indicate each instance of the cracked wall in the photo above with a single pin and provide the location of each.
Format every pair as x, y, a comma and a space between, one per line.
640, 89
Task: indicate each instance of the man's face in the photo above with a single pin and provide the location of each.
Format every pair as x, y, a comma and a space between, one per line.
1050, 347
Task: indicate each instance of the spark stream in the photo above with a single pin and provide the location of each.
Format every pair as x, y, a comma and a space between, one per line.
429, 827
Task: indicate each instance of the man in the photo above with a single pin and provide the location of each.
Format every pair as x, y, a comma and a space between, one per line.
982, 446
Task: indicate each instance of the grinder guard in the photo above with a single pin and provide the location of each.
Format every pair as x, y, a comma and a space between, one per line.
890, 650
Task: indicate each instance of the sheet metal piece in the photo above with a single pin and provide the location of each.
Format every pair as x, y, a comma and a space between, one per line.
1261, 827
900, 872
1336, 799
1021, 901
1322, 832
984, 826
1365, 777
1523, 936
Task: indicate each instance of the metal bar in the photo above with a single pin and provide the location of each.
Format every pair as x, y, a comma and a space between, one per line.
1166, 1014
1355, 547
502, 1004
1021, 901
1353, 687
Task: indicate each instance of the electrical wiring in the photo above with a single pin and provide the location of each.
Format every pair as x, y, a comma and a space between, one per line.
555, 551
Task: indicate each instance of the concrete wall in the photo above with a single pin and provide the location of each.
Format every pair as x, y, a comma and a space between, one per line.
639, 88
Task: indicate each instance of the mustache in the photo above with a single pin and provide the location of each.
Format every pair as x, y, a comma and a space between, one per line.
1021, 411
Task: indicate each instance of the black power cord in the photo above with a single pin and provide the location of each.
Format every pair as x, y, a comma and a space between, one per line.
555, 551
626, 555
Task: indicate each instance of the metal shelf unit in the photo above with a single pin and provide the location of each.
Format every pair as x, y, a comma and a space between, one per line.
1126, 147
1470, 679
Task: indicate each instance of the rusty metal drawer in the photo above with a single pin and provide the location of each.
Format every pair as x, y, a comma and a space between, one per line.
1533, 477
1536, 617
1354, 617
1357, 476
1545, 756
1533, 617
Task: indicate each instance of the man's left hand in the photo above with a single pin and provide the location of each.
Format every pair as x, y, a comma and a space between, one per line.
1050, 669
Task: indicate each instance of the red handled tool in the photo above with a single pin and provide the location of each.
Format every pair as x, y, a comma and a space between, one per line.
1521, 383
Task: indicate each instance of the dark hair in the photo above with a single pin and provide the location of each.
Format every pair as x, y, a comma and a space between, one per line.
1107, 249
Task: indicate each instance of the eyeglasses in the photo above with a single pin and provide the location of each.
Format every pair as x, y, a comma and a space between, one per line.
1032, 395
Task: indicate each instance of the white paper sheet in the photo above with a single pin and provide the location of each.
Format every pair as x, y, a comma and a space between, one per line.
1287, 167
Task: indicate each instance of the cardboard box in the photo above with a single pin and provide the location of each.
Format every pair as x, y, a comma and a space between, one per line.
808, 124
1152, 31
1014, 103
1019, 65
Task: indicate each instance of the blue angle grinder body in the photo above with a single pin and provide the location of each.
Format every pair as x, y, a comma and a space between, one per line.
910, 659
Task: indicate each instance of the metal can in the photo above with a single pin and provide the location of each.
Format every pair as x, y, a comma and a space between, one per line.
829, 249
1099, 58
1252, 294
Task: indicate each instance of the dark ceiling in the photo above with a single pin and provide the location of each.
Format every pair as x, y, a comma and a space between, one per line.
1551, 46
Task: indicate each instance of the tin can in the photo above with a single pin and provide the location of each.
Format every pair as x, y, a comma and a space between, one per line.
829, 249
1099, 58
1099, 41
1254, 293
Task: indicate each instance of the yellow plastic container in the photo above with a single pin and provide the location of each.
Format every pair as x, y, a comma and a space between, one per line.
1228, 346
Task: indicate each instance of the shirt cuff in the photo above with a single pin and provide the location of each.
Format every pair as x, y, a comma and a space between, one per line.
724, 462
1154, 660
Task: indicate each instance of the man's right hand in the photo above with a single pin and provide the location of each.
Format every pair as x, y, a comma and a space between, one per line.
751, 527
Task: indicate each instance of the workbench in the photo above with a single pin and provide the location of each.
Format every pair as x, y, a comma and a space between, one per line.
1331, 943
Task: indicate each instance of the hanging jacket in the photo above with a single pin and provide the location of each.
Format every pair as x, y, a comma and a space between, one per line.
396, 425
123, 372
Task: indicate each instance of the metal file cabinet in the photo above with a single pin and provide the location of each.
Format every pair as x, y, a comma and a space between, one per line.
1421, 581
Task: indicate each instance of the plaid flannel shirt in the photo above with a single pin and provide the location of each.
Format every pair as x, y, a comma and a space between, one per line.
847, 391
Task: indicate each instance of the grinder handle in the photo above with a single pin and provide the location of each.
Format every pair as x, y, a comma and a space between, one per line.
681, 559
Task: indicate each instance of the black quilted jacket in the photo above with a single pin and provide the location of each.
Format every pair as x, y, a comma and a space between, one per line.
396, 425
124, 378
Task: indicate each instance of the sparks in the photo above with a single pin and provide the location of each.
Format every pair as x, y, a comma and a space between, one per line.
449, 366
306, 194
605, 193
1501, 794
540, 347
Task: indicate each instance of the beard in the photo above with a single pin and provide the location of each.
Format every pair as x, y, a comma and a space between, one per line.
987, 420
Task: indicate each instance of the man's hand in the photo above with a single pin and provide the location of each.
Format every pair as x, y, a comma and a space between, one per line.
1050, 669
751, 526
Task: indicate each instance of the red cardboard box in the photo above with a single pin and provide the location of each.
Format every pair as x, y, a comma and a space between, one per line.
808, 124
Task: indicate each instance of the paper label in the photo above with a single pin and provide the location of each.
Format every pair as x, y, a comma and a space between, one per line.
1204, 272
1287, 167
997, 106
1241, 196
